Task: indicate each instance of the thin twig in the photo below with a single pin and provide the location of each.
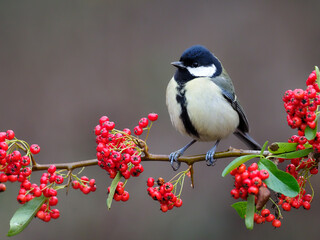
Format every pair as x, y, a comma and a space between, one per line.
189, 160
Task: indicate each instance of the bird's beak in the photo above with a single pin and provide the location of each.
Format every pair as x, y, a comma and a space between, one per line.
178, 64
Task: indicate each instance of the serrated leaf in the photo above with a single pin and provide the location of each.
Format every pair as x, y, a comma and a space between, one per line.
250, 212
279, 181
310, 133
295, 154
237, 162
113, 187
241, 208
23, 216
282, 147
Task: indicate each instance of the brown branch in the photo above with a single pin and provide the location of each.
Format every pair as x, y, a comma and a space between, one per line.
189, 160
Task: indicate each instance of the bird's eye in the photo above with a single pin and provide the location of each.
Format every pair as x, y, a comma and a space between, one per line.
195, 64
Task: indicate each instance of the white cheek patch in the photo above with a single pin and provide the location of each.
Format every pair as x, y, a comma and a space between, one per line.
202, 71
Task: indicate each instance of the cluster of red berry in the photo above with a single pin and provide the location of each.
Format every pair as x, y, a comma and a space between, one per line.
85, 185
144, 122
266, 216
301, 105
248, 181
118, 150
13, 166
47, 188
120, 194
163, 194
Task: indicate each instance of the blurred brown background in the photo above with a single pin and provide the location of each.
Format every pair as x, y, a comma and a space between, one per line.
63, 64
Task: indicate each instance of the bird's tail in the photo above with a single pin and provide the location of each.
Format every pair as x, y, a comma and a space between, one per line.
249, 141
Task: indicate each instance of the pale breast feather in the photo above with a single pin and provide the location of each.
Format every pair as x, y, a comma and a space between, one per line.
174, 107
210, 113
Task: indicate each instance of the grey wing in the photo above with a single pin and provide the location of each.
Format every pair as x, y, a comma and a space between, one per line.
228, 92
243, 121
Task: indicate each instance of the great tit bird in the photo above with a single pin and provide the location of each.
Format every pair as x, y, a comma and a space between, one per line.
202, 103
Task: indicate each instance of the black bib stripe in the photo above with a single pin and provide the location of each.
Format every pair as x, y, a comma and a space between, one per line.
184, 116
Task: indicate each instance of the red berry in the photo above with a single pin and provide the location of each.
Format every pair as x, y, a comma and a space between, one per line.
314, 170
164, 207
168, 187
270, 218
264, 174
4, 146
246, 182
298, 94
34, 149
276, 223
312, 124
253, 190
150, 182
257, 181
53, 201
265, 212
40, 214
312, 78
296, 121
125, 196
21, 199
109, 125
153, 116
245, 175
235, 193
52, 169
117, 197
3, 136
135, 159
3, 178
10, 134
241, 168
55, 213
306, 205
178, 202
47, 217
75, 184
138, 130
307, 197
2, 187
127, 131
143, 122
103, 119
252, 167
286, 206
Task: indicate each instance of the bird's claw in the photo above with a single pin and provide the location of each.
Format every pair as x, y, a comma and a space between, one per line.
173, 157
210, 160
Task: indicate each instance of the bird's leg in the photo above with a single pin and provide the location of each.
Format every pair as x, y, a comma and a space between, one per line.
210, 154
173, 157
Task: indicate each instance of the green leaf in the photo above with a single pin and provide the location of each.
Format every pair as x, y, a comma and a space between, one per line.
310, 133
279, 181
282, 147
295, 154
264, 147
237, 162
113, 187
250, 212
241, 208
318, 75
23, 216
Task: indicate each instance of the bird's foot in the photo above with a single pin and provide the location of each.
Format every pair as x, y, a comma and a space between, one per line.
173, 157
210, 160
210, 155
